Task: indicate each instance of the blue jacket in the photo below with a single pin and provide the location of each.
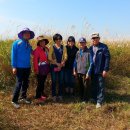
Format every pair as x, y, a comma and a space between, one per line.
21, 54
102, 59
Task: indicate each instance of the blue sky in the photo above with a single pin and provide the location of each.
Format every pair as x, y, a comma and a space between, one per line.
111, 18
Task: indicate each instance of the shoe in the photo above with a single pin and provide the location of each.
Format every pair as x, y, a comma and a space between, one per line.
43, 97
54, 99
98, 105
40, 99
16, 105
83, 102
24, 100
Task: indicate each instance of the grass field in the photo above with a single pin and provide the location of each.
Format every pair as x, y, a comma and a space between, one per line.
71, 114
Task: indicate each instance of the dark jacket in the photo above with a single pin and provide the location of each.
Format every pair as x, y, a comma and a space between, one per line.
102, 59
71, 52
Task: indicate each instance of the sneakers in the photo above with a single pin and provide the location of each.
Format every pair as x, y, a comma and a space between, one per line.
40, 99
83, 102
98, 105
16, 105
24, 100
43, 97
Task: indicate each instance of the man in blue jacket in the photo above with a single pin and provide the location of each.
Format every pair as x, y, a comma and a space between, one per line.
100, 59
20, 61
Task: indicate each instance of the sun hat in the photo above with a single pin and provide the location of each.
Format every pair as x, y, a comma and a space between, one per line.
20, 34
42, 38
95, 35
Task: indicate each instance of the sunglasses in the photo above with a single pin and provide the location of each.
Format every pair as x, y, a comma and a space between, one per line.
70, 41
82, 42
95, 37
58, 39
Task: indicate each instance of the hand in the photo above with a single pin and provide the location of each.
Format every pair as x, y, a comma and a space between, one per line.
59, 65
87, 77
62, 63
104, 74
74, 73
14, 70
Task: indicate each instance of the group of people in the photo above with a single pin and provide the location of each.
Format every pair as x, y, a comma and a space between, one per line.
64, 63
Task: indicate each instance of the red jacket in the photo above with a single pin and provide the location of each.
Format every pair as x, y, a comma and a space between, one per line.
39, 55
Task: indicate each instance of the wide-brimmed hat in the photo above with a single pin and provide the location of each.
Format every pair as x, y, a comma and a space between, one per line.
95, 35
42, 38
20, 34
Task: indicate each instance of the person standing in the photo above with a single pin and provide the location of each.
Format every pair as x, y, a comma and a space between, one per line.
68, 71
21, 66
100, 60
41, 66
81, 69
57, 57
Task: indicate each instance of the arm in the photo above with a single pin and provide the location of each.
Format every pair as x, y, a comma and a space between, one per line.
50, 56
35, 61
14, 55
65, 56
90, 65
107, 62
107, 59
74, 67
14, 58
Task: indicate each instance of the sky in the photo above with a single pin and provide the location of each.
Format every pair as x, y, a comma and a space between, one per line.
111, 18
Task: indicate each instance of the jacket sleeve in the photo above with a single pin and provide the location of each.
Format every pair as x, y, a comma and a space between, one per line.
107, 58
51, 55
75, 63
35, 60
90, 64
65, 54
14, 55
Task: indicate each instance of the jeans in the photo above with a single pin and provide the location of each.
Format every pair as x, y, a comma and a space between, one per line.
98, 88
69, 78
40, 86
22, 83
57, 76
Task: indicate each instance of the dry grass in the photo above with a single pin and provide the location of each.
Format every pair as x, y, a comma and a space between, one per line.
71, 114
